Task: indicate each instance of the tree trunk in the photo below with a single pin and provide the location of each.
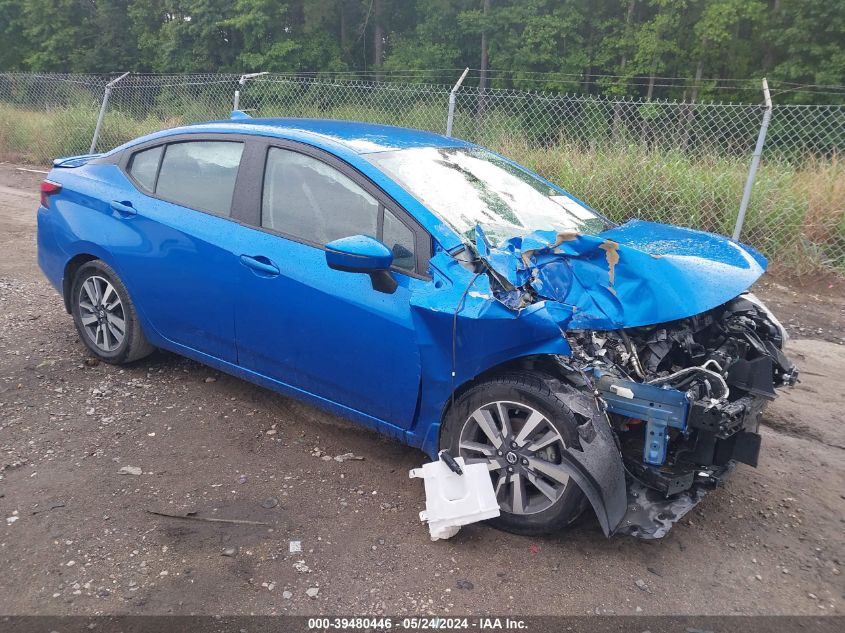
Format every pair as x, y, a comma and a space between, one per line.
687, 112
769, 57
588, 71
378, 41
483, 76
651, 79
699, 69
344, 35
628, 17
617, 107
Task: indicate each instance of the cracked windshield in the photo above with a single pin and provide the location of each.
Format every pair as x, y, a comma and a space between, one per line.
476, 186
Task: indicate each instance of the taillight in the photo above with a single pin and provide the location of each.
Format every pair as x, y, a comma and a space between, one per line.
48, 188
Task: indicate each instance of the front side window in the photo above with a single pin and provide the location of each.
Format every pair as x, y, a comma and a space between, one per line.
400, 240
469, 186
195, 174
310, 200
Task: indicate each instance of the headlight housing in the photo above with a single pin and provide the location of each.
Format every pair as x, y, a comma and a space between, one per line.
750, 296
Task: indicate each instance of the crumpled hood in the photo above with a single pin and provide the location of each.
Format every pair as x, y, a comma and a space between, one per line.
639, 273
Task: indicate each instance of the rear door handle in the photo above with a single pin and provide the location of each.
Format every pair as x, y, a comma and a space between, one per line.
123, 208
260, 264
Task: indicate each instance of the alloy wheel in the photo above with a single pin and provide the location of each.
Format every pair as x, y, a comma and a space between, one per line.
101, 313
522, 450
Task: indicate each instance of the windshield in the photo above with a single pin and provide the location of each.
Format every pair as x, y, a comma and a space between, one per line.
465, 187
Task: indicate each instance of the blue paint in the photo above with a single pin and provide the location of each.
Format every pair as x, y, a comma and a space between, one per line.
636, 274
358, 253
271, 310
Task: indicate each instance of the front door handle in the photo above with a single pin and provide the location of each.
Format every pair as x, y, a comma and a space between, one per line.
123, 208
260, 264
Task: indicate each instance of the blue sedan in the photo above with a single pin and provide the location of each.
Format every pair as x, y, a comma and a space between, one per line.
432, 290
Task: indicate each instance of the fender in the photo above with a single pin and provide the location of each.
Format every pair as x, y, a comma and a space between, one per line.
73, 251
596, 466
85, 247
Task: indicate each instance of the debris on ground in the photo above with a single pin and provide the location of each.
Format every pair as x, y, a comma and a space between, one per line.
312, 592
347, 457
52, 506
269, 503
190, 517
229, 551
465, 584
295, 546
642, 586
455, 496
129, 470
301, 567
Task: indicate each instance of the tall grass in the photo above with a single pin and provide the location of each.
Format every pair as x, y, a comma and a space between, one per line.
40, 136
796, 215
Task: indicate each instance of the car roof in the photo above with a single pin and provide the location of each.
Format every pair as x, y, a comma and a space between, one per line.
354, 136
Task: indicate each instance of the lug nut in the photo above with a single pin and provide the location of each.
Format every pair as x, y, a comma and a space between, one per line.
513, 444
524, 462
510, 469
499, 453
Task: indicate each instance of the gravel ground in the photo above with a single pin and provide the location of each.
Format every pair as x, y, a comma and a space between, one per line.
87, 450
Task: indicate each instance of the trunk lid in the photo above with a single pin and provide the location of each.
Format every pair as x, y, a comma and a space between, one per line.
74, 161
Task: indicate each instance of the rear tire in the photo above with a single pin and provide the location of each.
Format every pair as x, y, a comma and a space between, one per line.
105, 316
535, 497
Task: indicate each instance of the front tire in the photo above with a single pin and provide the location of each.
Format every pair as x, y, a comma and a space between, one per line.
517, 426
105, 316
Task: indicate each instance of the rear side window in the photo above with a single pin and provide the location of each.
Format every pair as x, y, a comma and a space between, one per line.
200, 175
144, 167
310, 200
195, 174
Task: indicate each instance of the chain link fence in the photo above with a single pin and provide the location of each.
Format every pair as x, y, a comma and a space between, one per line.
666, 161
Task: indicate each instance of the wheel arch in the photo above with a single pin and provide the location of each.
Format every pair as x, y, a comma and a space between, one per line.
74, 264
596, 464
544, 363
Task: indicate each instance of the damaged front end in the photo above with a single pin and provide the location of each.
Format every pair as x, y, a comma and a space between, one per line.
663, 334
685, 400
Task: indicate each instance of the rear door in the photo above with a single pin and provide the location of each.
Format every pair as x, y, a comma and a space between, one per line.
324, 331
178, 245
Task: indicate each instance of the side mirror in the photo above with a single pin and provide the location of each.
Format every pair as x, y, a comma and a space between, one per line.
363, 254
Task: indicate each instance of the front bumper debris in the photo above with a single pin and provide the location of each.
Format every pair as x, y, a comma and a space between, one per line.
651, 515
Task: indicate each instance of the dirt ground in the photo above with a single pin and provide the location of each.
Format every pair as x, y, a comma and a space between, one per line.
76, 537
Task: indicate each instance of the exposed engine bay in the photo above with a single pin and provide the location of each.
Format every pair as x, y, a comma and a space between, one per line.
684, 400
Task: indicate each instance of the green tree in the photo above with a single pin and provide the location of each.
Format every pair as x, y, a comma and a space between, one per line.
14, 45
58, 32
809, 42
620, 47
434, 39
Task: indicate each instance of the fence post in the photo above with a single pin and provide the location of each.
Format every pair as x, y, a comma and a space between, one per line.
755, 162
236, 102
451, 116
102, 113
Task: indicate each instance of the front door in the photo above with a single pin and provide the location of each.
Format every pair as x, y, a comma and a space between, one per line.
323, 331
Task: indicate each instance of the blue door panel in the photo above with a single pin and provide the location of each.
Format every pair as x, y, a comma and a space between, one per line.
180, 266
328, 332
